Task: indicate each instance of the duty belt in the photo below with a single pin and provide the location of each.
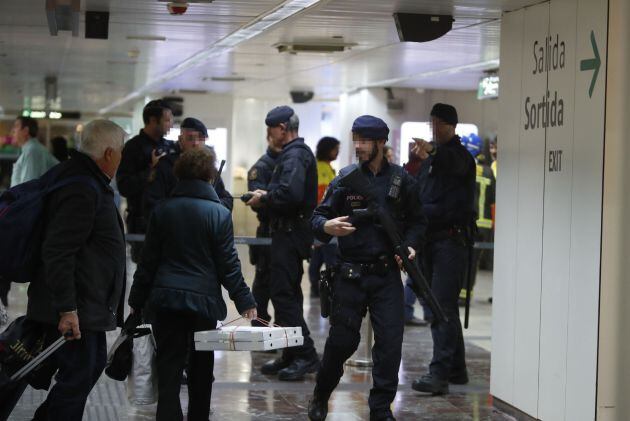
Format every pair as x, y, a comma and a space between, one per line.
380, 267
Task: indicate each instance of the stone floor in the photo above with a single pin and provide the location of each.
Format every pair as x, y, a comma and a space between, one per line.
242, 393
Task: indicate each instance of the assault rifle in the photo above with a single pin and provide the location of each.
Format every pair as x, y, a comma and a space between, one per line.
359, 183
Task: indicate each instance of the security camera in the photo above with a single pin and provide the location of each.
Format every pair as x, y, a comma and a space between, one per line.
177, 7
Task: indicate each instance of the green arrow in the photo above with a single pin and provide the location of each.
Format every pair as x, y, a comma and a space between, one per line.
592, 64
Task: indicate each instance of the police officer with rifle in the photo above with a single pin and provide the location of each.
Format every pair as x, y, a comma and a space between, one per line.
368, 274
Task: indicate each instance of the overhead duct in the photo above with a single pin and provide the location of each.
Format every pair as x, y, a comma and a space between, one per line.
312, 47
63, 15
417, 27
393, 104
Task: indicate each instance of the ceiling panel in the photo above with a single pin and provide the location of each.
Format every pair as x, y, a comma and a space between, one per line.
94, 73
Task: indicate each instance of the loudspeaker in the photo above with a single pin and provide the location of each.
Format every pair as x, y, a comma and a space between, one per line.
97, 25
299, 97
422, 28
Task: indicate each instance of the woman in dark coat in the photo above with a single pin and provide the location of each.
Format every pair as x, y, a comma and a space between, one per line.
188, 255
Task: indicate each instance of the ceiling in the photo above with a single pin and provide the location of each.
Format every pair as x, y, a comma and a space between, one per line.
93, 74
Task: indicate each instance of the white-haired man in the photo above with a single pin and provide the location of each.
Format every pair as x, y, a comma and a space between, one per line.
80, 285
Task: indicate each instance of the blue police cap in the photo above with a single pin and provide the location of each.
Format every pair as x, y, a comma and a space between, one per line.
194, 124
279, 115
370, 127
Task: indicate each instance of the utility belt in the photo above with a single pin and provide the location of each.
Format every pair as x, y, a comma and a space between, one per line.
381, 267
352, 271
288, 224
457, 233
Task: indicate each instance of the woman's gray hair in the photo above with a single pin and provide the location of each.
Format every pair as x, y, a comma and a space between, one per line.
293, 124
98, 135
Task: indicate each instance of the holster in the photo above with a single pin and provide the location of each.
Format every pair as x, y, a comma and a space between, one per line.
326, 282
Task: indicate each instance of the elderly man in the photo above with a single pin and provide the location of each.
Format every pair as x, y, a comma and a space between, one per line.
82, 279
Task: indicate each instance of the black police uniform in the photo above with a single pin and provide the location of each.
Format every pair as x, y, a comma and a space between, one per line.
290, 200
162, 181
132, 178
368, 278
447, 181
258, 178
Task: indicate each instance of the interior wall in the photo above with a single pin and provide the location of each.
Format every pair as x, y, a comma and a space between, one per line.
614, 342
548, 227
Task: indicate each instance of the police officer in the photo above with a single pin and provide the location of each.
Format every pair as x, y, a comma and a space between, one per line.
162, 180
368, 276
290, 200
447, 190
258, 178
140, 155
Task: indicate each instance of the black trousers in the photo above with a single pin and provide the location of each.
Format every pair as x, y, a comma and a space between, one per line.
445, 265
261, 284
173, 334
80, 364
383, 295
286, 290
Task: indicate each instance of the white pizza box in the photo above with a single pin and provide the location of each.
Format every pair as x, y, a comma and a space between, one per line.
247, 333
276, 343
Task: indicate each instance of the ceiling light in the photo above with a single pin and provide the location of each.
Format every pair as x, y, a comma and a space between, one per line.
269, 19
312, 47
146, 37
482, 65
224, 79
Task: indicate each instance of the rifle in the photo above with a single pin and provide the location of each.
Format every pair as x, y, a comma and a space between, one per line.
216, 180
358, 182
470, 244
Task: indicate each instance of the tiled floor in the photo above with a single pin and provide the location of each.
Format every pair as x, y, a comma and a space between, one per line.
242, 393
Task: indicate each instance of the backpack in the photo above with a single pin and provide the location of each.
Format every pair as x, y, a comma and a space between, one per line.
22, 223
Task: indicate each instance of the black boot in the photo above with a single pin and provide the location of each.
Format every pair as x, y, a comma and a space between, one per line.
274, 366
458, 378
430, 384
382, 416
298, 368
317, 408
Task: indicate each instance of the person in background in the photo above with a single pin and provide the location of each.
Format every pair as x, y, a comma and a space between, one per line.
60, 148
326, 152
389, 154
188, 255
162, 179
34, 158
33, 162
484, 200
447, 193
413, 168
140, 156
258, 178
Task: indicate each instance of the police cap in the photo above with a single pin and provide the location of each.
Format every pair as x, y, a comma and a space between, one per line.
370, 127
446, 113
190, 123
279, 115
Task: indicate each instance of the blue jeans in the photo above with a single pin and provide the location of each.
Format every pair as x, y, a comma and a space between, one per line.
80, 364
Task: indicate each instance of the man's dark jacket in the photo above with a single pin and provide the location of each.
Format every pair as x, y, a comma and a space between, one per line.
133, 175
188, 255
83, 252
